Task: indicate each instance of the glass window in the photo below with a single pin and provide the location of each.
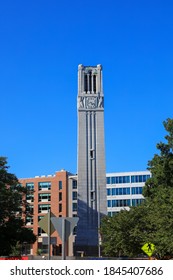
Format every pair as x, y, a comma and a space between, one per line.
44, 196
122, 203
113, 180
109, 203
136, 202
120, 180
43, 208
74, 206
108, 191
128, 202
30, 209
114, 203
127, 190
132, 179
74, 195
60, 207
40, 217
120, 191
75, 230
74, 184
144, 178
108, 180
137, 190
44, 185
124, 191
29, 220
60, 196
60, 185
114, 191
29, 197
140, 190
127, 179
140, 178
30, 186
137, 179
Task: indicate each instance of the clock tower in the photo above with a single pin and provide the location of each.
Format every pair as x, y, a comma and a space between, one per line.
91, 159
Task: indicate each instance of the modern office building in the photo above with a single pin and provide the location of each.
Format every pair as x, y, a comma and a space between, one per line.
125, 190
91, 158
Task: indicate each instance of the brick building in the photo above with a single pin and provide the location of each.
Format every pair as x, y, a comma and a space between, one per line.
49, 192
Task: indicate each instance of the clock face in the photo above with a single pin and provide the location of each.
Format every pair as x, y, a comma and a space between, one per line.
91, 102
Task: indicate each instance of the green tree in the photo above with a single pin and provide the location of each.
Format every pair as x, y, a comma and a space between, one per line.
13, 205
161, 166
152, 221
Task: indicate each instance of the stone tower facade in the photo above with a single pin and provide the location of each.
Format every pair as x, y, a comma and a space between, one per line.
91, 159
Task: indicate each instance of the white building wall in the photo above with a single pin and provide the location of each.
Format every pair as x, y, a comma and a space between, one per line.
124, 189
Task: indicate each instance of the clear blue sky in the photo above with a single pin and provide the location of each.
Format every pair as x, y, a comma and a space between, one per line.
41, 44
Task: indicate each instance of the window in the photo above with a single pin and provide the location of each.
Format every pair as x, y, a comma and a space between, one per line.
136, 202
44, 186
108, 191
91, 154
74, 195
120, 191
137, 190
30, 186
120, 202
30, 209
29, 198
108, 180
75, 230
119, 180
94, 83
114, 191
85, 83
43, 208
74, 206
60, 196
114, 203
90, 77
92, 195
29, 220
109, 203
113, 179
60, 185
126, 179
60, 207
44, 197
139, 178
74, 184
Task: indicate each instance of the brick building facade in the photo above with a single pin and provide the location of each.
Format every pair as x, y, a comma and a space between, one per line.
49, 192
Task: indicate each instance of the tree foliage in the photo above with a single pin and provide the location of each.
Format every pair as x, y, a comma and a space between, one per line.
125, 233
12, 205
